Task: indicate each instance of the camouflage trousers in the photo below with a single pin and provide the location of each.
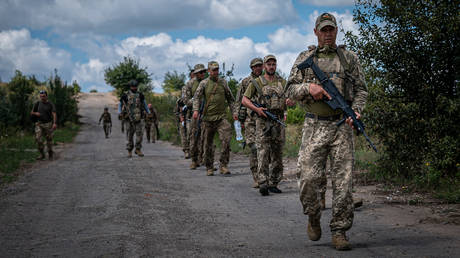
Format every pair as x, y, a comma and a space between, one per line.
250, 138
269, 142
134, 128
107, 127
44, 130
150, 132
224, 129
185, 135
196, 141
322, 140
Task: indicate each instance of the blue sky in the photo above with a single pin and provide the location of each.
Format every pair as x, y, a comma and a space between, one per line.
81, 38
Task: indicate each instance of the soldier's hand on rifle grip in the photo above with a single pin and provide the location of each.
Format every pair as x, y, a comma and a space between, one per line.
181, 118
349, 120
317, 92
195, 114
290, 102
260, 111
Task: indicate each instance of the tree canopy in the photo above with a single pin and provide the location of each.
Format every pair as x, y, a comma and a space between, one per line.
120, 74
409, 51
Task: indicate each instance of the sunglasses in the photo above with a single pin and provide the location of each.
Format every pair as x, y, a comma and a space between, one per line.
43, 92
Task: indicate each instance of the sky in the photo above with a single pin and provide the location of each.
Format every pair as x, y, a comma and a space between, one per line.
81, 38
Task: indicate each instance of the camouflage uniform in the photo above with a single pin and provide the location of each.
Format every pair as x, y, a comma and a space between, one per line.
192, 124
247, 117
107, 123
322, 138
151, 124
136, 108
269, 134
214, 118
44, 126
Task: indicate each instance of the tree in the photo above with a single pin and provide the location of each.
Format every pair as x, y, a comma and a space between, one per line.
173, 81
410, 54
63, 98
119, 75
20, 88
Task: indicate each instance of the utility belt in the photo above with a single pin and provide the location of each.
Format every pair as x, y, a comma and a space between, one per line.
324, 118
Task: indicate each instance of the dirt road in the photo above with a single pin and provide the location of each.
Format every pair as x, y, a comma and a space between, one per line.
93, 201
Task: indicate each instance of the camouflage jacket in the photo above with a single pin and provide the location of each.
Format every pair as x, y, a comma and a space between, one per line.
351, 86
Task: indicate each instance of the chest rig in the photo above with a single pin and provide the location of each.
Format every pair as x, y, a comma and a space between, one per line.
270, 94
134, 106
336, 67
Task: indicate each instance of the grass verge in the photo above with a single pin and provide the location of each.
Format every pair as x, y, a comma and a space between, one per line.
21, 149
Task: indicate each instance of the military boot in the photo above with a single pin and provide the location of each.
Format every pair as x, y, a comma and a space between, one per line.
210, 172
255, 185
274, 189
263, 189
130, 154
224, 170
314, 228
187, 154
193, 165
358, 203
50, 155
322, 202
340, 241
139, 153
42, 155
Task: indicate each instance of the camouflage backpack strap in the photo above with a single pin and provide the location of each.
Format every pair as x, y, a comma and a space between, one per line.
344, 63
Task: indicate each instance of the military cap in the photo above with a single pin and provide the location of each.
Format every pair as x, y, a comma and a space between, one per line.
325, 19
256, 61
133, 83
198, 68
213, 65
268, 57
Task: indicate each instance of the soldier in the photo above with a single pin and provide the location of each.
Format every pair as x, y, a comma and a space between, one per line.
187, 95
44, 115
151, 124
321, 135
268, 90
246, 116
185, 114
107, 118
136, 107
215, 92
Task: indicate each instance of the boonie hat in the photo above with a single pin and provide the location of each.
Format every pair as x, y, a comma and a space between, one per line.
213, 65
198, 68
268, 57
325, 19
256, 61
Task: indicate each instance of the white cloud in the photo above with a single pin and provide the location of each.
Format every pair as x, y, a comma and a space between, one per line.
122, 17
328, 2
19, 51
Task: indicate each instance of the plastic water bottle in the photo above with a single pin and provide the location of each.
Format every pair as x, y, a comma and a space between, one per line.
239, 136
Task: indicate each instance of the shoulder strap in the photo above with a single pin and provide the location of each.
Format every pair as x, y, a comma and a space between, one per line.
343, 61
256, 84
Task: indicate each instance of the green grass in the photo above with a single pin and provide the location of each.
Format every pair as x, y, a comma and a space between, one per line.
21, 149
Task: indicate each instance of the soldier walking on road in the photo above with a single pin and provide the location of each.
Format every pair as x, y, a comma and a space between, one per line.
44, 115
321, 136
246, 117
187, 96
107, 122
151, 124
136, 107
268, 90
215, 92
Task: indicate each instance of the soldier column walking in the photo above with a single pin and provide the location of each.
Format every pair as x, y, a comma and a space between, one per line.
151, 124
321, 137
215, 92
247, 117
187, 95
44, 114
107, 121
268, 90
136, 107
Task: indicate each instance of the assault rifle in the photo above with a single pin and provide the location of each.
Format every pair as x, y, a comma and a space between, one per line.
337, 101
269, 114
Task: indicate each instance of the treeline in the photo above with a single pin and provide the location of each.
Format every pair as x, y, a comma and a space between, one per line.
18, 96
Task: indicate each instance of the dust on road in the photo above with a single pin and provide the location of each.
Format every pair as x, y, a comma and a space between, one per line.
93, 201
